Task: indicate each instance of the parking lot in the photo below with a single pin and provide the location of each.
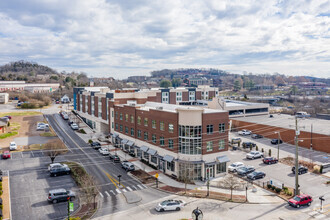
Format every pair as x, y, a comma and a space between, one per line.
29, 186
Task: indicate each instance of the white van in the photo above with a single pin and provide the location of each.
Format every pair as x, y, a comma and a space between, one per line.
12, 146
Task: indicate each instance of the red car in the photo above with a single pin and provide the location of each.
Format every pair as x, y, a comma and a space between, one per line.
300, 200
270, 160
6, 155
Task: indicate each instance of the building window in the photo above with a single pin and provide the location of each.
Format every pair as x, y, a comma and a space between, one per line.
139, 120
100, 108
132, 119
209, 129
221, 167
153, 159
170, 128
209, 146
161, 141
161, 126
126, 129
190, 139
154, 138
112, 113
222, 128
126, 117
121, 128
146, 156
179, 96
145, 135
165, 97
145, 121
221, 144
116, 126
170, 143
139, 134
116, 115
153, 124
112, 125
170, 166
132, 131
191, 96
121, 116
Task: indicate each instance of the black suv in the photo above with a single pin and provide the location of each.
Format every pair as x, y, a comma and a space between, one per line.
276, 141
60, 171
301, 170
96, 145
245, 170
115, 158
248, 144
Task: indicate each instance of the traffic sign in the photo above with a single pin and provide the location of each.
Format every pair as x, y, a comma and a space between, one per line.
71, 207
157, 175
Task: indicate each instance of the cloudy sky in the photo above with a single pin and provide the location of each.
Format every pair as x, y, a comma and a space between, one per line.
120, 38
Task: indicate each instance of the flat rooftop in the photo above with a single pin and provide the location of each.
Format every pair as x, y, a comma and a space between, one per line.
320, 126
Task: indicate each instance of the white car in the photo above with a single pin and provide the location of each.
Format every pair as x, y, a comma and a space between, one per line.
104, 151
56, 165
233, 167
254, 154
74, 126
170, 205
12, 146
42, 126
244, 132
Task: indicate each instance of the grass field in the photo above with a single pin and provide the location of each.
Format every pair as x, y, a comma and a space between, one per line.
6, 135
20, 113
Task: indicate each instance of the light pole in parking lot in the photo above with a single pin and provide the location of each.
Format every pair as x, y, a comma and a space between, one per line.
278, 145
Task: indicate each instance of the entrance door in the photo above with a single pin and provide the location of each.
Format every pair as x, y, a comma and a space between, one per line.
209, 172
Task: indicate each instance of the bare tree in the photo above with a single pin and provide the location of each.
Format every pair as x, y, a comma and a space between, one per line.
54, 148
186, 174
90, 187
230, 182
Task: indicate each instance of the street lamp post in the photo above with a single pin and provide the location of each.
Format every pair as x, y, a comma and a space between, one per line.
278, 145
296, 161
119, 179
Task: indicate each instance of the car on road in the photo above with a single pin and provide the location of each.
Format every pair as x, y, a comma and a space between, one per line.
6, 155
276, 141
56, 165
12, 146
254, 154
104, 151
301, 170
57, 102
256, 136
70, 122
244, 132
256, 175
96, 145
300, 200
64, 115
114, 157
74, 126
60, 171
234, 166
270, 160
170, 205
128, 166
236, 140
60, 195
248, 144
242, 171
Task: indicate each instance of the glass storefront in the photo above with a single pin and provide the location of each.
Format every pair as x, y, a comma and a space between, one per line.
190, 139
190, 171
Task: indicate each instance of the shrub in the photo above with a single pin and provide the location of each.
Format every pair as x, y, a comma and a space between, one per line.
270, 152
289, 193
321, 169
273, 187
269, 186
257, 148
328, 182
278, 190
90, 141
285, 188
262, 150
8, 124
82, 131
1, 192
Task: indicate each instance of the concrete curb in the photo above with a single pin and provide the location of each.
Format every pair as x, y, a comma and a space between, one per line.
124, 194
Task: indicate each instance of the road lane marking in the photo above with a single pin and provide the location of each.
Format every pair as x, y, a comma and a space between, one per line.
112, 192
140, 187
124, 190
110, 178
134, 187
129, 188
144, 186
107, 193
118, 191
101, 195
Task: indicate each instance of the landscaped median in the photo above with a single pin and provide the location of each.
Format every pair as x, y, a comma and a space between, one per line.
88, 190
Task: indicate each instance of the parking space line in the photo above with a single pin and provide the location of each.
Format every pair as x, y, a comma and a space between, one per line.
101, 195
107, 193
129, 188
118, 191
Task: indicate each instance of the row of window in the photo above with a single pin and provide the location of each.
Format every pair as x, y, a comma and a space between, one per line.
209, 145
222, 128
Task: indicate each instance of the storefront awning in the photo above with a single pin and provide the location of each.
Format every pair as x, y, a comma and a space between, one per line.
144, 148
124, 141
223, 159
152, 152
130, 143
168, 158
189, 161
137, 147
211, 163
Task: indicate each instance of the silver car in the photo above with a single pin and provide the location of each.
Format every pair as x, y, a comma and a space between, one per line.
60, 195
170, 205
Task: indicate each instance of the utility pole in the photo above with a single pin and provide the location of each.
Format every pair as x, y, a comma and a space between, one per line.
296, 164
278, 145
311, 148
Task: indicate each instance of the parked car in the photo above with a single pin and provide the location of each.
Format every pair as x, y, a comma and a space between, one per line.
248, 144
233, 167
60, 171
56, 165
270, 160
42, 126
60, 195
300, 200
70, 122
6, 155
5, 119
276, 141
114, 157
128, 166
235, 140
244, 132
57, 102
271, 116
104, 151
96, 145
12, 146
301, 170
65, 116
254, 154
168, 205
245, 170
256, 136
256, 175
74, 126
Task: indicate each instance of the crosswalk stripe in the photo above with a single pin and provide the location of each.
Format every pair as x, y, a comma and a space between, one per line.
312, 213
144, 186
134, 187
107, 193
118, 191
129, 188
124, 190
319, 216
140, 186
112, 192
306, 210
101, 195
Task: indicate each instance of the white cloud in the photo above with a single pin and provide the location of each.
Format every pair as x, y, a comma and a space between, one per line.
123, 38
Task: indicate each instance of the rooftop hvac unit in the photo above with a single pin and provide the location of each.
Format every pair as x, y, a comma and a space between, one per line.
160, 108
